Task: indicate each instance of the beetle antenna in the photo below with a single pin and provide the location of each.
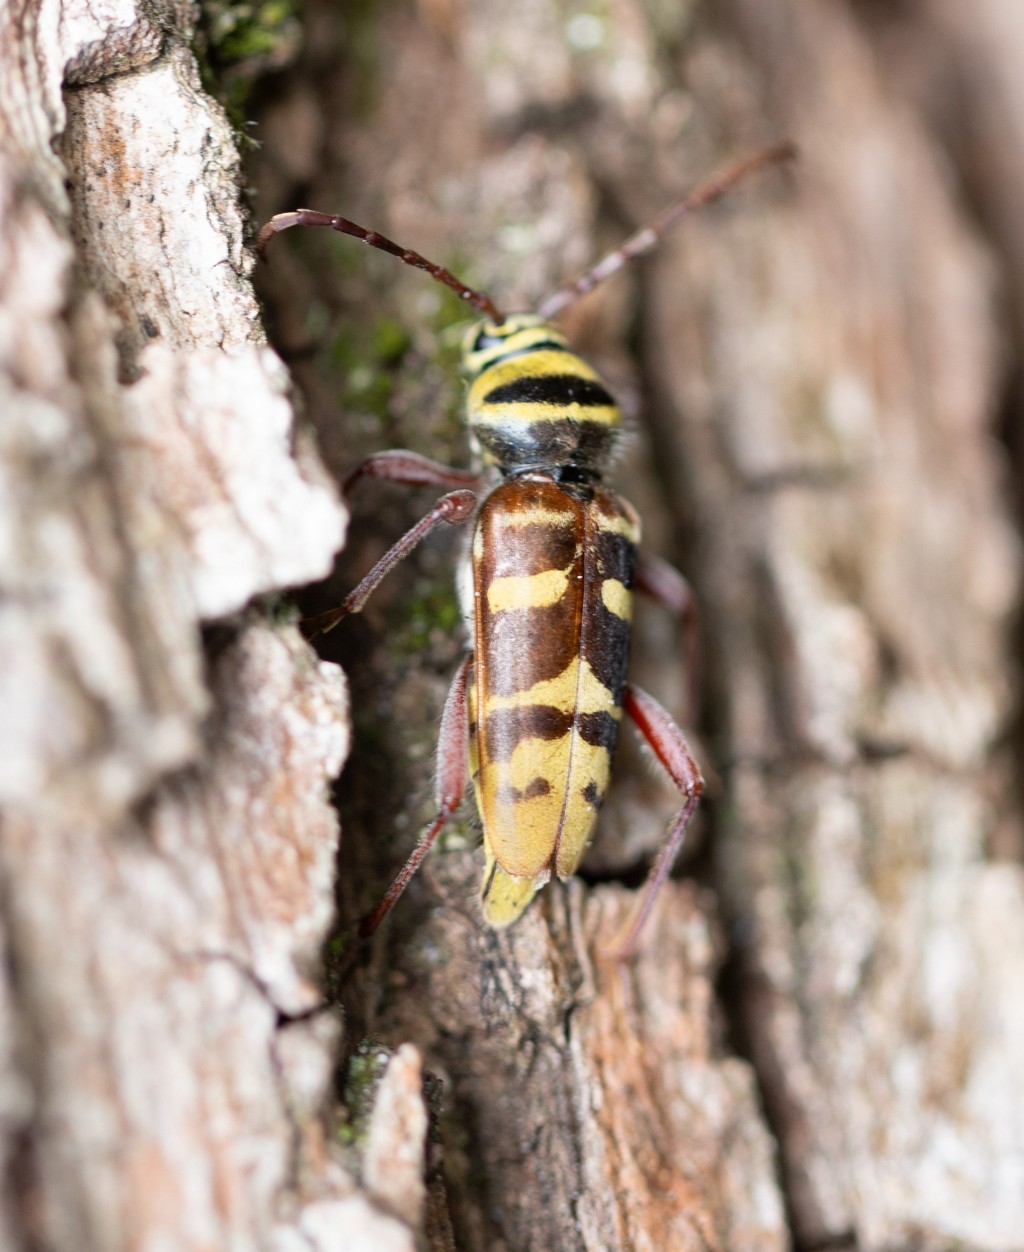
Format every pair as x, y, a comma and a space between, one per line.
480, 300
645, 239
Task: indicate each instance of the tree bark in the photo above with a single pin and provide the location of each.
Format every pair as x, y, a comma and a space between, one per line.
818, 1042
167, 850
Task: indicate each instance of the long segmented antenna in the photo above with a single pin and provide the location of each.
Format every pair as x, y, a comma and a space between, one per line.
310, 217
645, 239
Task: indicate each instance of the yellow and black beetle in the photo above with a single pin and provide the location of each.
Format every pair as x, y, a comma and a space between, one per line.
546, 589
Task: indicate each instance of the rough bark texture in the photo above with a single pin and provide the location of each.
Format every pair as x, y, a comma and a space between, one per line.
819, 1043
167, 849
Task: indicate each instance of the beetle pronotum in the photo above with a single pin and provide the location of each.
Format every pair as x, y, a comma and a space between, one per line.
546, 588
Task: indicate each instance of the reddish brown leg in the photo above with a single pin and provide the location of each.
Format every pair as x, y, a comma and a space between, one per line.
410, 469
671, 749
449, 788
455, 508
664, 584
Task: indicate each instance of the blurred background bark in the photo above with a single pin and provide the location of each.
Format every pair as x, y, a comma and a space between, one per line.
820, 1043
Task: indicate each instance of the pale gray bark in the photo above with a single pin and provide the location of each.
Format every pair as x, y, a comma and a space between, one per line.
167, 845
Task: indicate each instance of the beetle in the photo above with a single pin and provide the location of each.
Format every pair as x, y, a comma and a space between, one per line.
546, 588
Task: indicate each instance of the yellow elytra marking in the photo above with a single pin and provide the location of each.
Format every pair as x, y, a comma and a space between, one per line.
619, 524
536, 516
527, 591
527, 832
577, 688
617, 598
505, 898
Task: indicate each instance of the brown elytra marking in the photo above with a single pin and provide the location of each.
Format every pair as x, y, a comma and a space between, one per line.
533, 790
505, 729
518, 648
599, 729
526, 528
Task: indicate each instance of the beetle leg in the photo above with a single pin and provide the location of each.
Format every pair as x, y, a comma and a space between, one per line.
672, 750
410, 469
664, 584
449, 788
455, 508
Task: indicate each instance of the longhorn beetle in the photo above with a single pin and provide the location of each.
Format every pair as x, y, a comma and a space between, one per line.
546, 588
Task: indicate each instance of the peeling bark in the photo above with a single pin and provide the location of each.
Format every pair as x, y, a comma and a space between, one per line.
167, 843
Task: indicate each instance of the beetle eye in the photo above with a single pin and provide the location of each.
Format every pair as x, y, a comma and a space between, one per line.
492, 334
486, 338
